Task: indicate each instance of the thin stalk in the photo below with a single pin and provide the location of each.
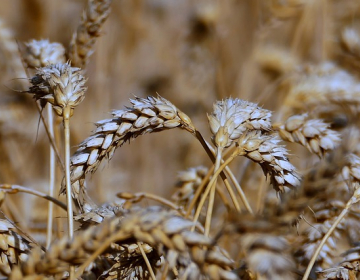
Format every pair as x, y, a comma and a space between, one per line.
51, 139
12, 189
49, 229
208, 188
355, 198
199, 192
66, 118
230, 174
146, 261
210, 151
212, 192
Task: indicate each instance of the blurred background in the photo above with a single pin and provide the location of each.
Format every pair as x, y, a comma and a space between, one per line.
190, 52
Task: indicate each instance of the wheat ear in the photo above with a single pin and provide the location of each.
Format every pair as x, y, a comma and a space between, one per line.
146, 115
313, 134
161, 229
83, 40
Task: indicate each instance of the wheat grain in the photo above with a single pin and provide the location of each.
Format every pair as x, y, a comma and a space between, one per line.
83, 40
145, 116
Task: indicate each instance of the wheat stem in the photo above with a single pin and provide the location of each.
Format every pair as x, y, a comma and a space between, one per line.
208, 188
212, 192
51, 179
234, 181
12, 189
146, 261
199, 192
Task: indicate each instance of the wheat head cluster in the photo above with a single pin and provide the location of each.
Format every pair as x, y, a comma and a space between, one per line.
252, 168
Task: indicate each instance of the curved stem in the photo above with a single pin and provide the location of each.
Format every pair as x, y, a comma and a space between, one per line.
12, 189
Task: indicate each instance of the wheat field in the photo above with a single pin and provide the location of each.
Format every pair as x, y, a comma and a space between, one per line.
164, 139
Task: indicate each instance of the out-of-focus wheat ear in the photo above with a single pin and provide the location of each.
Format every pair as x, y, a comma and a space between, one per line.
145, 115
355, 198
269, 256
350, 39
82, 43
40, 53
265, 149
314, 134
346, 271
9, 47
14, 248
188, 182
164, 231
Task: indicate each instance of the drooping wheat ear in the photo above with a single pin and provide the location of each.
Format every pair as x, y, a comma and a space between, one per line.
40, 53
188, 181
146, 115
314, 134
13, 247
83, 40
60, 85
272, 157
232, 117
166, 232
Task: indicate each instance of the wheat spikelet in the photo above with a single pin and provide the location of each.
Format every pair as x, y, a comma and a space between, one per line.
145, 116
60, 85
313, 134
164, 231
83, 40
40, 53
232, 117
265, 150
13, 247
